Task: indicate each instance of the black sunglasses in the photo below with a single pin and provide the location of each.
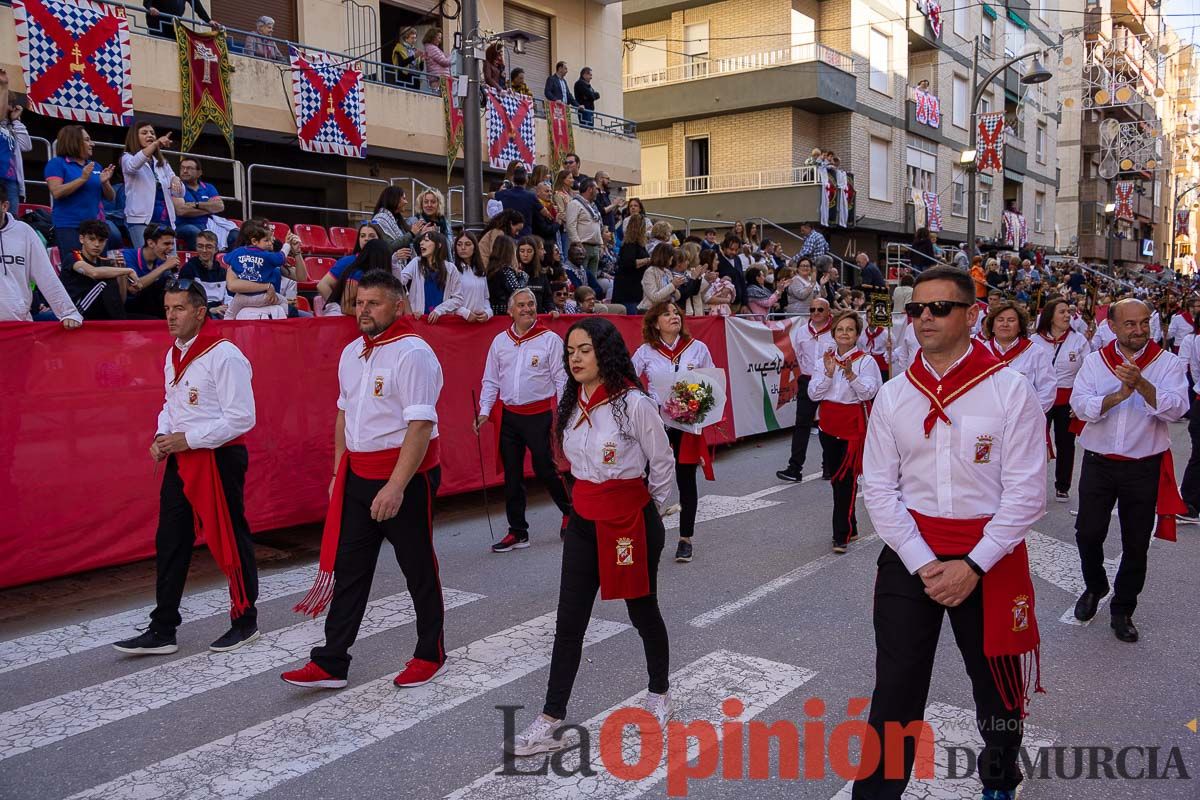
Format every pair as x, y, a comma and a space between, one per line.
180, 285
938, 308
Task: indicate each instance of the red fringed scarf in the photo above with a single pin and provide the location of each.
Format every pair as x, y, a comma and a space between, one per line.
599, 398
978, 365
673, 354
848, 422
1011, 641
1012, 353
205, 340
815, 333
616, 507
536, 330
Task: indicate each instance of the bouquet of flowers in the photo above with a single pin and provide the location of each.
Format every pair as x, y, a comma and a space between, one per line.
689, 402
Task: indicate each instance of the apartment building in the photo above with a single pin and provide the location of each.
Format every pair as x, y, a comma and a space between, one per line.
730, 98
405, 127
1176, 235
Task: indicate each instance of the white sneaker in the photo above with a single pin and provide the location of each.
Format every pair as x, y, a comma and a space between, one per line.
671, 510
659, 705
537, 738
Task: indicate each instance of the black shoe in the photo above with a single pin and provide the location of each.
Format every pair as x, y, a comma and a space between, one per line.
234, 638
1122, 625
1192, 517
683, 553
853, 537
1061, 496
514, 540
826, 475
839, 547
788, 475
1085, 607
148, 644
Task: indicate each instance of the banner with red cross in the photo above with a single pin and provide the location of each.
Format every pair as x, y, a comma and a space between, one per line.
510, 132
933, 211
1182, 217
928, 108
204, 93
1124, 197
990, 149
75, 59
331, 110
561, 133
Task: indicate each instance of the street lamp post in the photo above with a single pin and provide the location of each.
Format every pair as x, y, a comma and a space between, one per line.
1038, 74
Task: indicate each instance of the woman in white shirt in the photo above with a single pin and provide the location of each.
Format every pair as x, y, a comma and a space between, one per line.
844, 388
472, 280
1067, 348
1006, 336
431, 280
610, 431
150, 183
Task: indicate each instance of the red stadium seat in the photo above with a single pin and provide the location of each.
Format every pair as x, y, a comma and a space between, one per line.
314, 240
344, 239
23, 208
302, 304
281, 230
55, 259
318, 267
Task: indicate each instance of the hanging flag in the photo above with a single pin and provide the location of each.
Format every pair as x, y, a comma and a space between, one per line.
933, 211
331, 112
990, 149
933, 111
561, 133
510, 134
1182, 217
1124, 198
933, 12
75, 59
453, 114
204, 84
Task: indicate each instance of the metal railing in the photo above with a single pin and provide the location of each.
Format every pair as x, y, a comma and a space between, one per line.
729, 182
35, 141
348, 212
708, 68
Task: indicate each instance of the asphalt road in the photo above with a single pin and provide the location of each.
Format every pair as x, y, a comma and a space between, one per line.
765, 614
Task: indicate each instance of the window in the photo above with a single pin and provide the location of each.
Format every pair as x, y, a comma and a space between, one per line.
962, 19
984, 213
1039, 211
1039, 147
989, 32
921, 166
985, 105
1041, 7
880, 55
695, 49
696, 164
241, 15
880, 161
655, 171
960, 115
958, 205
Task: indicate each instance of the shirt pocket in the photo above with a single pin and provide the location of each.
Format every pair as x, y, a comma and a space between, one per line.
379, 383
980, 441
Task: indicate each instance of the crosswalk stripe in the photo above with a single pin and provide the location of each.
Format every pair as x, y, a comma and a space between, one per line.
48, 721
698, 691
714, 506
35, 648
956, 727
1057, 562
784, 580
256, 759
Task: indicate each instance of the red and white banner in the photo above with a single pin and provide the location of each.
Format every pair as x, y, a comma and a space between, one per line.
510, 131
561, 135
989, 154
331, 110
1123, 192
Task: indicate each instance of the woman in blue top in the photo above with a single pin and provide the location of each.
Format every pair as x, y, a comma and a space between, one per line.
374, 255
255, 272
367, 231
76, 184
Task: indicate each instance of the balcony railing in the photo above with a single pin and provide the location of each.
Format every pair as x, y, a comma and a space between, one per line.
729, 182
697, 70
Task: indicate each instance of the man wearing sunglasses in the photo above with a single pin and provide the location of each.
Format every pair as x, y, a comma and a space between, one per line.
954, 476
810, 340
208, 411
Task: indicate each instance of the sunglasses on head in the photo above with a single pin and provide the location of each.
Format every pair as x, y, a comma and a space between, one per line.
938, 308
180, 285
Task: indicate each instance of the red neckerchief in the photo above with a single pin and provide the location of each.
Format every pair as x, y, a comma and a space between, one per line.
1011, 354
1187, 317
398, 330
1056, 340
1113, 358
871, 337
588, 404
536, 330
976, 366
673, 354
205, 340
851, 357
815, 334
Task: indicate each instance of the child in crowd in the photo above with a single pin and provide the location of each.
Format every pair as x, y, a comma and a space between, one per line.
256, 275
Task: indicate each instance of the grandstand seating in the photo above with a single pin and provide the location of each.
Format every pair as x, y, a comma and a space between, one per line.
318, 267
316, 241
344, 238
281, 230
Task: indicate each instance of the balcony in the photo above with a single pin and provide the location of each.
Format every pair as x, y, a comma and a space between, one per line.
920, 33
1131, 13
718, 86
913, 124
786, 196
1095, 246
643, 12
1132, 58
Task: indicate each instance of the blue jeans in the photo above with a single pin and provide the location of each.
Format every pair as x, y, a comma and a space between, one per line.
67, 240
188, 234
137, 234
586, 117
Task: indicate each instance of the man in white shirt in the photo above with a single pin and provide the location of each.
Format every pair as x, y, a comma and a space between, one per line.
209, 408
1126, 393
522, 380
953, 478
810, 340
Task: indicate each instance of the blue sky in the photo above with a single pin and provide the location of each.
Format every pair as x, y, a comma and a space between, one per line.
1184, 17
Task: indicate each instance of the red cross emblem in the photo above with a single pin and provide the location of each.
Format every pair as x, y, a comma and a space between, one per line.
330, 104
512, 128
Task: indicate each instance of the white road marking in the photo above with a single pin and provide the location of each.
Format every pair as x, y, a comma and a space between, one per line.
35, 648
1057, 562
48, 721
716, 506
698, 691
956, 727
256, 759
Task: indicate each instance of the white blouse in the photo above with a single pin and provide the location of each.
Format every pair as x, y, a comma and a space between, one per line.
837, 389
414, 283
473, 289
649, 361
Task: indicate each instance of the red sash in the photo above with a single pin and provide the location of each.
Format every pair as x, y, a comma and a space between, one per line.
693, 449
1010, 628
376, 466
1062, 396
204, 341
203, 489
1011, 354
978, 365
524, 409
1168, 502
615, 507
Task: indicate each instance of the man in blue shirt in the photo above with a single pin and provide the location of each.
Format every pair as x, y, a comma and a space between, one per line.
520, 199
155, 264
814, 243
199, 202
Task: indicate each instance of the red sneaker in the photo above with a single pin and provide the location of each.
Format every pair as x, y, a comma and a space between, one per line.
417, 672
313, 677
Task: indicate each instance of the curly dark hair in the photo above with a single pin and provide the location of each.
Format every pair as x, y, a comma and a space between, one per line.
616, 374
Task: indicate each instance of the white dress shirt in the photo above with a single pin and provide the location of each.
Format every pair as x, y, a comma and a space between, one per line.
522, 373
414, 283
1035, 365
601, 452
1078, 323
1178, 328
649, 362
1189, 353
866, 383
474, 291
877, 346
1066, 358
213, 403
1131, 428
990, 461
1103, 335
397, 383
810, 348
905, 350
1156, 326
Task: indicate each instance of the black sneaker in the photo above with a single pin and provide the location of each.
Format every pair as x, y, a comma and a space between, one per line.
1061, 496
1190, 518
234, 638
839, 548
512, 541
788, 475
148, 644
683, 553
853, 537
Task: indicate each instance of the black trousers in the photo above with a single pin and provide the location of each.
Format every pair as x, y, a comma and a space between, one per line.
685, 479
1058, 418
845, 520
176, 538
410, 533
519, 432
103, 302
578, 585
1133, 487
907, 626
806, 411
1190, 487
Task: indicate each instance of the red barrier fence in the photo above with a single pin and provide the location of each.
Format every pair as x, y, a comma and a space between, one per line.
80, 489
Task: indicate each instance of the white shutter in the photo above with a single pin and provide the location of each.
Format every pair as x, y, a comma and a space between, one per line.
958, 108
878, 166
536, 60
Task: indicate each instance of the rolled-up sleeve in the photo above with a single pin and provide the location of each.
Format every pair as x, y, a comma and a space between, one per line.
420, 385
